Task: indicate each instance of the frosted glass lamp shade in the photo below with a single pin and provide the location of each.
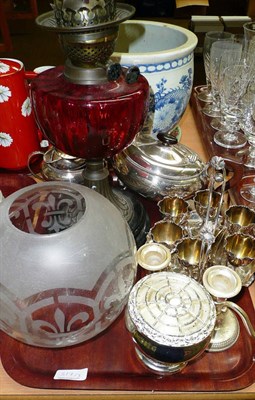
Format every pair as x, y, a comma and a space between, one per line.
67, 264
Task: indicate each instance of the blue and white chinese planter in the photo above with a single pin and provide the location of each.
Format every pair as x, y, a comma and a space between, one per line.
164, 54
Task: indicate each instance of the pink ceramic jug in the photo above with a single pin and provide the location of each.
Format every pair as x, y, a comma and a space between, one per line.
18, 129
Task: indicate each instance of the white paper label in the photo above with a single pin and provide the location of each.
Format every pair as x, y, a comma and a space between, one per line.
72, 374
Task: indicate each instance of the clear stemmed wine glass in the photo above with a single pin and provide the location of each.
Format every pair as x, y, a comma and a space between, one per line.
233, 54
247, 188
210, 38
234, 83
249, 42
248, 125
223, 53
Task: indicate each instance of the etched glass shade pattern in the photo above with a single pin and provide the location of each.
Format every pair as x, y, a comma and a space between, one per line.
68, 264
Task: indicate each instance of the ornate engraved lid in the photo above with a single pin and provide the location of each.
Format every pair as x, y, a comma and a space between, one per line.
172, 309
164, 157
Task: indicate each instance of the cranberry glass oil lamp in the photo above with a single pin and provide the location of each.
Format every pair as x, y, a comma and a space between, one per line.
92, 108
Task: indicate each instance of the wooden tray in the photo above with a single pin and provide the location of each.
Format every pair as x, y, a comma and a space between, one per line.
10, 182
112, 363
110, 357
236, 156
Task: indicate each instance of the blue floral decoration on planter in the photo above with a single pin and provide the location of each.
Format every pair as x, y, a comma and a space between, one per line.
169, 104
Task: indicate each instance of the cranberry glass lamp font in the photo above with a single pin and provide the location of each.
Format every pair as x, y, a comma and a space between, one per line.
91, 108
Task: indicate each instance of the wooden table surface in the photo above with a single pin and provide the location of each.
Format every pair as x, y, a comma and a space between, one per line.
9, 389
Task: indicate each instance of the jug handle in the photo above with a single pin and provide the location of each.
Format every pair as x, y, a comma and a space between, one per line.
30, 74
31, 156
37, 71
242, 314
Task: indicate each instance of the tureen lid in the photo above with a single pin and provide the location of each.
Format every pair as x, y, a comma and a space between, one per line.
172, 309
164, 157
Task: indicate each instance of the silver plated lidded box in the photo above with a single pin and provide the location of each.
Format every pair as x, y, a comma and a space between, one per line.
171, 318
159, 168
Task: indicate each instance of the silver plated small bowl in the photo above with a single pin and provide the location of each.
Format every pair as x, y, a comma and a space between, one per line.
188, 255
153, 256
166, 232
240, 249
240, 218
201, 202
174, 208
